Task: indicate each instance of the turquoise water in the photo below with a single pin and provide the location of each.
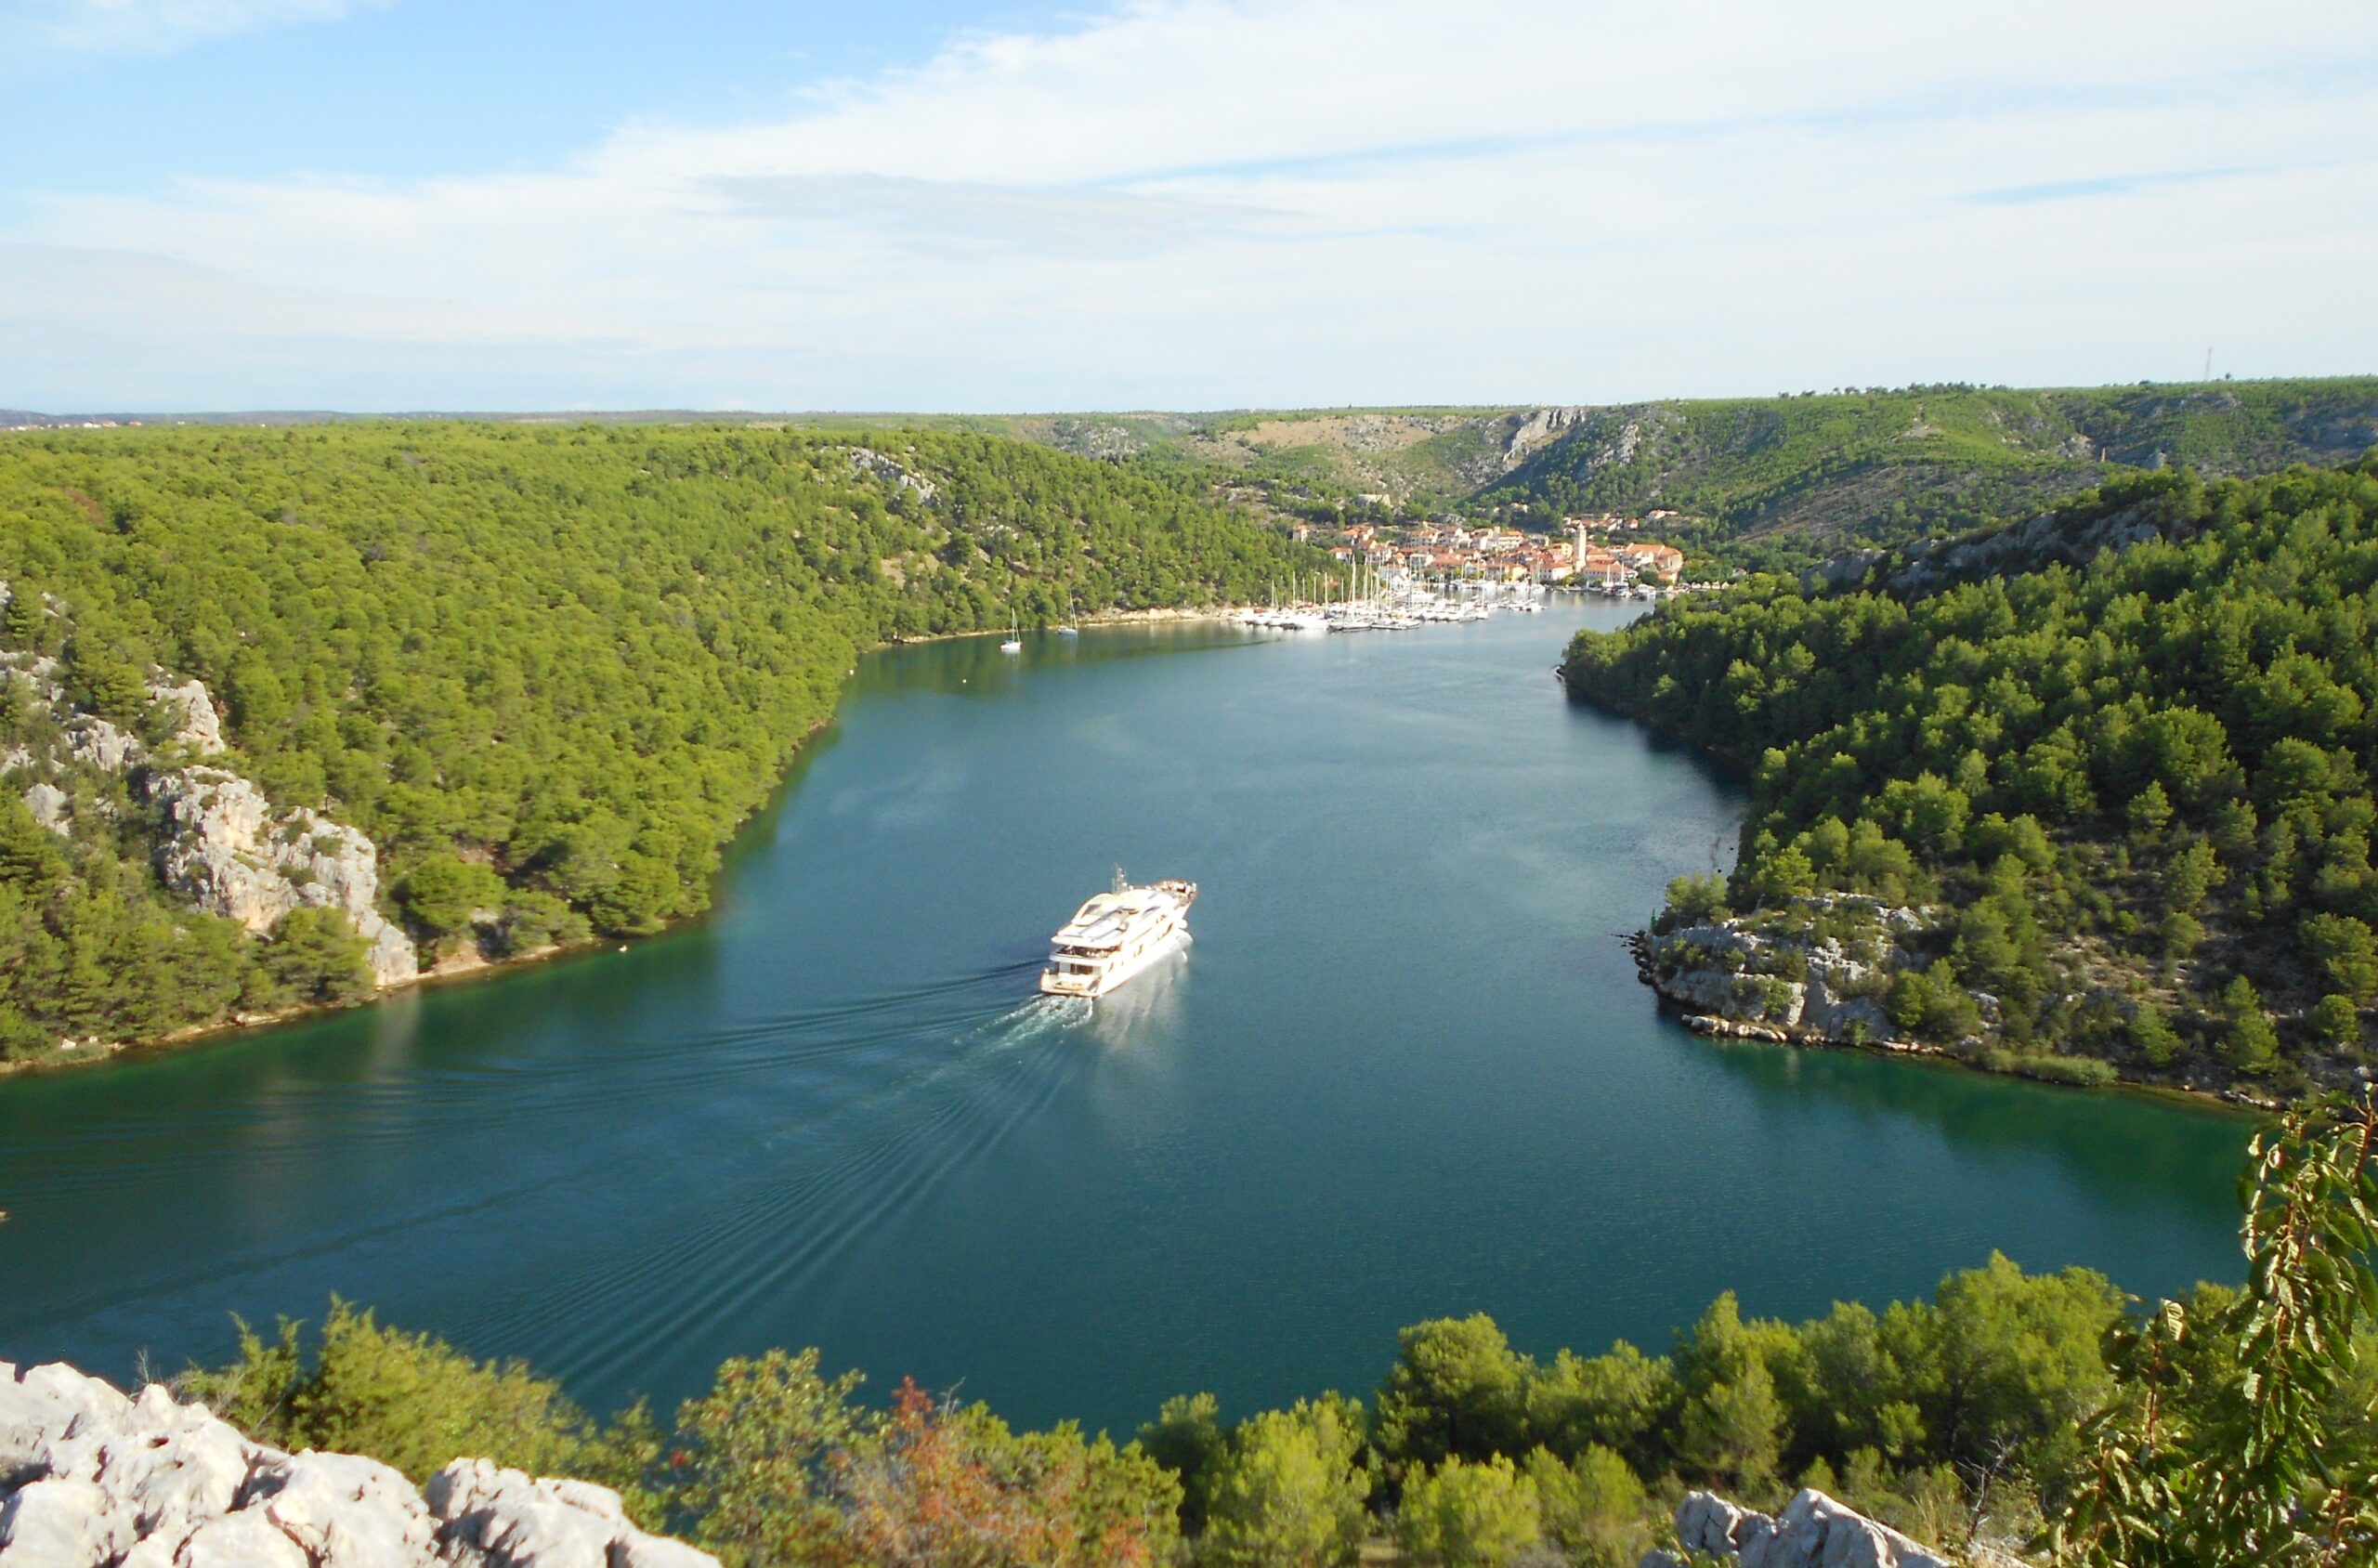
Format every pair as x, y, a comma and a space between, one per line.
1404, 1070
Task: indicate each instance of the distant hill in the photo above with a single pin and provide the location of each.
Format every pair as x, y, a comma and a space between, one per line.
1808, 475
1780, 481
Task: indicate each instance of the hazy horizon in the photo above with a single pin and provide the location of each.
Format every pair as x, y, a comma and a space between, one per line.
525, 413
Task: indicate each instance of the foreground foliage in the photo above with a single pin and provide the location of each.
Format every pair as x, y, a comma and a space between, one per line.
547, 671
2011, 1409
2139, 795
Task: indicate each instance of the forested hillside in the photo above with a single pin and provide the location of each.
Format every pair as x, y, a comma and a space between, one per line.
546, 670
2123, 813
1786, 479
1780, 481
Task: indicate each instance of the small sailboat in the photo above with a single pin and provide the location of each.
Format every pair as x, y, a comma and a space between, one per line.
1069, 631
1015, 643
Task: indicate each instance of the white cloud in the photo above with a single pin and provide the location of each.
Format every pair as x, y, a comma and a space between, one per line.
144, 26
1194, 202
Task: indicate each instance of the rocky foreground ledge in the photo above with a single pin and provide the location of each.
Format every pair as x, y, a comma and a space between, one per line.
1812, 1532
92, 1479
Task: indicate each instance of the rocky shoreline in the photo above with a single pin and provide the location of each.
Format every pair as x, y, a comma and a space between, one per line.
1156, 616
1725, 978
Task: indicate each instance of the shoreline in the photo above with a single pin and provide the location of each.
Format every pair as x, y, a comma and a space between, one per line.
1710, 1026
87, 1054
1158, 616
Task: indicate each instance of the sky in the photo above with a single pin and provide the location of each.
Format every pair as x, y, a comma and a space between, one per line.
930, 205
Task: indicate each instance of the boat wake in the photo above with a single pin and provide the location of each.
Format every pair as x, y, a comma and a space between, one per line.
862, 1141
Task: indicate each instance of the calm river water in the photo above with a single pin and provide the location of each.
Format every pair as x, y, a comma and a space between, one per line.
1406, 1070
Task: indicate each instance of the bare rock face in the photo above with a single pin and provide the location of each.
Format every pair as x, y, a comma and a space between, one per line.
50, 805
1731, 977
226, 849
89, 1479
1813, 1531
866, 459
228, 854
1538, 427
200, 728
95, 741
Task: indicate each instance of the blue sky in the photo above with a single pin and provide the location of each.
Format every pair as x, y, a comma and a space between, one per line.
424, 87
926, 204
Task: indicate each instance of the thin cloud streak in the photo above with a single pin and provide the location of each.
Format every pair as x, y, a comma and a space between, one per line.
33, 28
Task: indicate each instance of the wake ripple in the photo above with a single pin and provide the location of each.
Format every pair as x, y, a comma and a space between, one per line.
801, 1196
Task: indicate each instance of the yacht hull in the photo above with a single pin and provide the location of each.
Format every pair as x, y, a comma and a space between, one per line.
1120, 975
1116, 936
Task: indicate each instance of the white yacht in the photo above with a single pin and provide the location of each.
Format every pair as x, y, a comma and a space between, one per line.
1116, 936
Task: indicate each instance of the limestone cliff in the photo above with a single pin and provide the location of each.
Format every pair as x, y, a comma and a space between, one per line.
227, 852
219, 841
92, 1479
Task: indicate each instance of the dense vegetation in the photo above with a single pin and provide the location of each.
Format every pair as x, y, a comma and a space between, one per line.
2009, 1409
1763, 481
1781, 479
547, 670
2139, 794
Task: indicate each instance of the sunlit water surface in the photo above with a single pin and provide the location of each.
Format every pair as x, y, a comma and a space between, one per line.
1404, 1070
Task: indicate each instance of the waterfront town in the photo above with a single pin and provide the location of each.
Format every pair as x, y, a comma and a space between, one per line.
1606, 553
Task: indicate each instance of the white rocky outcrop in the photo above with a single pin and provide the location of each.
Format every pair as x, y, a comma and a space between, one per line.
50, 805
1813, 1531
866, 460
90, 1479
1784, 986
231, 854
200, 728
224, 848
1539, 427
94, 740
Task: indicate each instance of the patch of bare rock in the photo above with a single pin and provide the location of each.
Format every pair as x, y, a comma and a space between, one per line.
224, 847
90, 1478
1813, 1531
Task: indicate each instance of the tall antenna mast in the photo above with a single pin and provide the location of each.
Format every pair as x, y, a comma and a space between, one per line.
2208, 364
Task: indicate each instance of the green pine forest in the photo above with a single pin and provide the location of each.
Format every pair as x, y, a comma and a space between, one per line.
2135, 797
548, 670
